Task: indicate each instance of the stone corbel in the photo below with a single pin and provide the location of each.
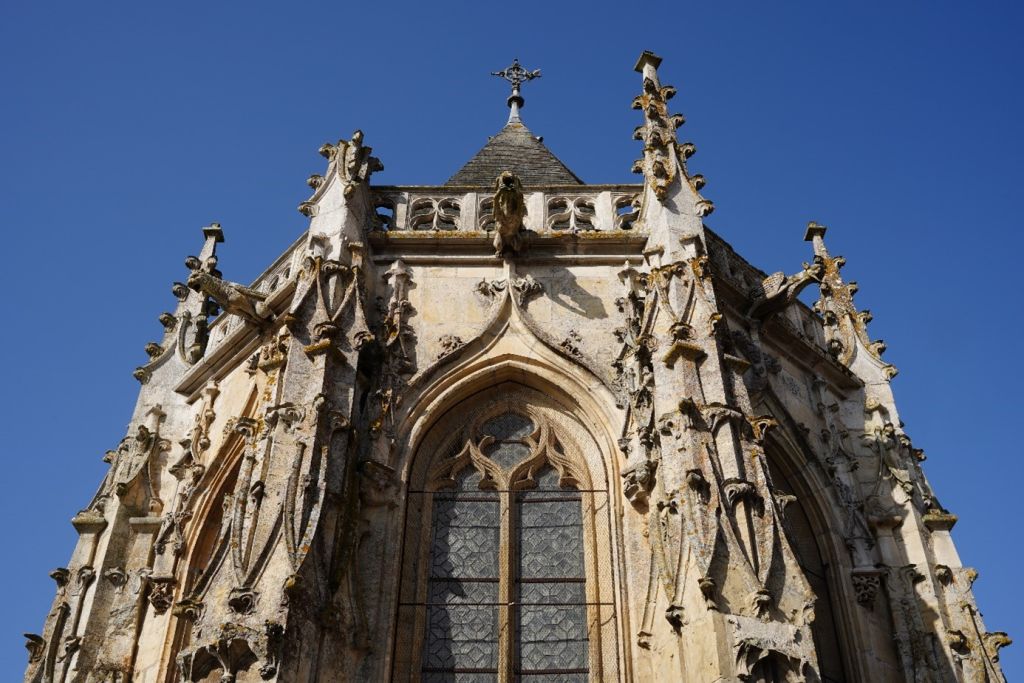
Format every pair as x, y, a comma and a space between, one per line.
638, 480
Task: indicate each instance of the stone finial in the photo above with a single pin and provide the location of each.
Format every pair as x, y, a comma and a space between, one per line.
647, 59
664, 157
351, 160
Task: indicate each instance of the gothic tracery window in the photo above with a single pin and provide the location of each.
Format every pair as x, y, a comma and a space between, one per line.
507, 528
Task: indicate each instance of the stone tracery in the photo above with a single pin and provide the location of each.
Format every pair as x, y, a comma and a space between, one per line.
267, 497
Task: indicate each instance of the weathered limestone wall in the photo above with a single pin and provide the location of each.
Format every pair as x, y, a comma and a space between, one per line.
763, 515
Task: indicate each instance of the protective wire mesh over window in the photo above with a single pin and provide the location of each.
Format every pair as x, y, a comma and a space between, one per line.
551, 612
462, 598
506, 577
508, 430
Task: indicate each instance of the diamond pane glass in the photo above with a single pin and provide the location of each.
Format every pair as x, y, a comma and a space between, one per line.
461, 677
507, 429
551, 614
461, 642
508, 426
507, 453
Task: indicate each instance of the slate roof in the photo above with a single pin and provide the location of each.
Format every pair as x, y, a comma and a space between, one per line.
514, 149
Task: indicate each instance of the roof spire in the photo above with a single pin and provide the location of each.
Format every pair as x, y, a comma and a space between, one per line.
516, 75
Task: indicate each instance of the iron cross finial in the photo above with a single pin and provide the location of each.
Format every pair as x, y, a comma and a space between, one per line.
516, 74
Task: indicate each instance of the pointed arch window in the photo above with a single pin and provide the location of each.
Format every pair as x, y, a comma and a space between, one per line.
507, 516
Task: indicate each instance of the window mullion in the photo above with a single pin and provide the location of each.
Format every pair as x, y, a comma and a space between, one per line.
506, 586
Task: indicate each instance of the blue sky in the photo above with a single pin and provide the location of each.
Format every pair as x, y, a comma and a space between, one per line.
124, 127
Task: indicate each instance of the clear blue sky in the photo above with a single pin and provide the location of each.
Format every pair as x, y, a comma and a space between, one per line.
124, 127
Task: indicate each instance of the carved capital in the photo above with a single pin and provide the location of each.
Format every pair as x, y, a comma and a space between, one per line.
161, 593
866, 584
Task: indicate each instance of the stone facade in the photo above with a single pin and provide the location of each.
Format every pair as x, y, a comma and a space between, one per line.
748, 505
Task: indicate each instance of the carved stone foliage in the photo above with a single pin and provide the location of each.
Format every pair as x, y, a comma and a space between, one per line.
634, 364
664, 158
900, 463
350, 160
975, 649
658, 135
161, 593
522, 288
571, 344
865, 587
915, 643
397, 338
845, 326
234, 649
338, 322
449, 343
131, 465
508, 211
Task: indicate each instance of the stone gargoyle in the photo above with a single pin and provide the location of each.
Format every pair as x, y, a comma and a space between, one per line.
509, 210
777, 291
234, 298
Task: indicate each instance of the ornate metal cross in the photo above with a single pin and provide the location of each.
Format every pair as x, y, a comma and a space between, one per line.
516, 74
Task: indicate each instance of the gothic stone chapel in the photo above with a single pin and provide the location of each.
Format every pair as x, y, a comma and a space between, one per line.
515, 427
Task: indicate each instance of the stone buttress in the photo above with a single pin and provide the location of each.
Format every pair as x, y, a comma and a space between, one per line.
767, 518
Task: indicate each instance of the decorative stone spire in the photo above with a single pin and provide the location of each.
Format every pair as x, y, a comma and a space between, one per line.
516, 75
664, 157
845, 327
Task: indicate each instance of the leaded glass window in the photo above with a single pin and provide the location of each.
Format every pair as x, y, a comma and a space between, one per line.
462, 594
551, 619
506, 584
